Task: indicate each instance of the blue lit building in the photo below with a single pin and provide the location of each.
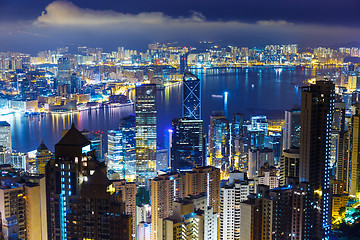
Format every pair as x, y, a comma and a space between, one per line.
191, 96
317, 109
219, 141
120, 143
187, 148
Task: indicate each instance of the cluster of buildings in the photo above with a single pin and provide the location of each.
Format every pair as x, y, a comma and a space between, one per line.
69, 80
242, 179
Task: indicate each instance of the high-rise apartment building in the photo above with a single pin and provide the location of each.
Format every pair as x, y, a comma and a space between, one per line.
291, 212
187, 148
191, 96
354, 164
127, 192
165, 189
145, 111
317, 108
231, 195
219, 141
289, 165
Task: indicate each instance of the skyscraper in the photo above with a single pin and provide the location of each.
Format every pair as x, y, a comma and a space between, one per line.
191, 96
219, 145
291, 133
238, 190
187, 149
81, 202
317, 108
145, 111
354, 165
5, 135
64, 76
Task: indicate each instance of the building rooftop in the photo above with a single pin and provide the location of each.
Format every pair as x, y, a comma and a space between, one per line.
73, 138
4, 124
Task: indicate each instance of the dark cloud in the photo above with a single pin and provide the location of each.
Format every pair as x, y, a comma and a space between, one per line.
64, 23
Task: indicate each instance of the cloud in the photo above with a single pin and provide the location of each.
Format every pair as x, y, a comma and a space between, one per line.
273, 22
62, 22
64, 13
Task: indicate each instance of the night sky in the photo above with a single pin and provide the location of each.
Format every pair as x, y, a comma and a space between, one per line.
39, 25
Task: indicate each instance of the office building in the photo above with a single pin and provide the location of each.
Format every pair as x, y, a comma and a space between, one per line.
121, 145
43, 155
219, 142
5, 135
257, 132
187, 148
231, 195
291, 132
145, 111
63, 79
257, 159
191, 96
317, 108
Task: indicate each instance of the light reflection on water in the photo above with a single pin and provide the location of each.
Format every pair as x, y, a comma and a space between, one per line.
274, 91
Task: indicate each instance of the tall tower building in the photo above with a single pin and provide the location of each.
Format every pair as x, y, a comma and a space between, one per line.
291, 133
219, 145
145, 111
187, 148
5, 135
73, 168
317, 108
63, 76
191, 96
354, 188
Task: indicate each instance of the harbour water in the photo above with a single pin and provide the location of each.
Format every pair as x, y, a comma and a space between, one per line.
251, 91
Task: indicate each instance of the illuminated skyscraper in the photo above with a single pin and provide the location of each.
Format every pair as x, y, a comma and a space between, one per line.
64, 76
5, 135
43, 155
120, 144
65, 175
191, 96
317, 108
187, 149
219, 145
145, 111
